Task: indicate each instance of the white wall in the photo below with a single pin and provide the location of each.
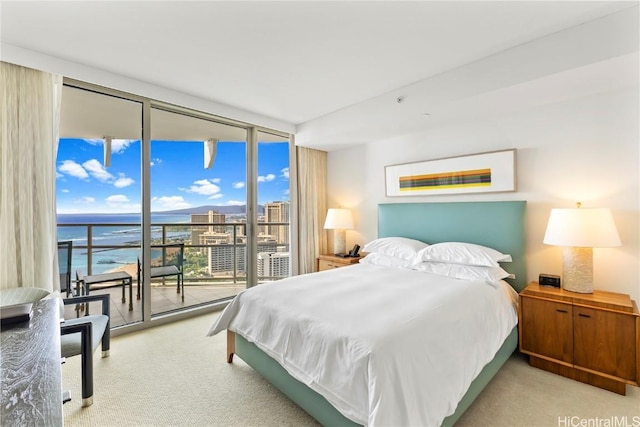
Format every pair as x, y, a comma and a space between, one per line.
583, 149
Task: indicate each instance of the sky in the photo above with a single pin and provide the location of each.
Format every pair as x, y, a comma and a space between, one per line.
178, 177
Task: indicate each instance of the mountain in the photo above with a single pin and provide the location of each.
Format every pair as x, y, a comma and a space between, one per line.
223, 209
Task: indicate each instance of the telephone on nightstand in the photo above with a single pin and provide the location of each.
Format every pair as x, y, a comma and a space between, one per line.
353, 253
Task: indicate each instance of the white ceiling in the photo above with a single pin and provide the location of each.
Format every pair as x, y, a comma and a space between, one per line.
291, 61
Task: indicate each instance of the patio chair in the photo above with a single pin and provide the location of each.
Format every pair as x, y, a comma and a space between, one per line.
65, 250
168, 264
79, 336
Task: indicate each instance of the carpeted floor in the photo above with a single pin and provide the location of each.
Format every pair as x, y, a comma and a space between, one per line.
173, 375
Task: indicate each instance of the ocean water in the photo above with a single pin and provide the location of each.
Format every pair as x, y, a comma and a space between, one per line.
122, 232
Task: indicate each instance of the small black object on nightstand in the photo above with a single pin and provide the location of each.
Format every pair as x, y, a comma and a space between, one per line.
549, 280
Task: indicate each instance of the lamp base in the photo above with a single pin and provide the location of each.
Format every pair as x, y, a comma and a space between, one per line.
577, 270
339, 243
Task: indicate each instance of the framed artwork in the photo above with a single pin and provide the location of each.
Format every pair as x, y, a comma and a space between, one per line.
476, 173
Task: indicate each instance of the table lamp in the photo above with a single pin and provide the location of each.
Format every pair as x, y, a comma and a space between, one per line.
338, 220
578, 231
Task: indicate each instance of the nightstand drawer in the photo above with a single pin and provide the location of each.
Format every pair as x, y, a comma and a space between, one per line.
328, 265
329, 262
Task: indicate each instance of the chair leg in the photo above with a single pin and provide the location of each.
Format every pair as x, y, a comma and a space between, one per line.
130, 294
86, 354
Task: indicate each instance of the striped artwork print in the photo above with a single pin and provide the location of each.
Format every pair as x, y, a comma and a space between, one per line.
446, 180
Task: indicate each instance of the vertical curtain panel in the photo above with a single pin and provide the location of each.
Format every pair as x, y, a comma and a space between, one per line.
29, 141
312, 206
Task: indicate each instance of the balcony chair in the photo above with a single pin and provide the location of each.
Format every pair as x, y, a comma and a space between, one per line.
65, 251
169, 264
79, 336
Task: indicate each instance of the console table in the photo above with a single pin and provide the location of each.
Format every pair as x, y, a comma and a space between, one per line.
30, 372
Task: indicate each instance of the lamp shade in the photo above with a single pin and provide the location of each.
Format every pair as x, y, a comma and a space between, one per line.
582, 227
338, 219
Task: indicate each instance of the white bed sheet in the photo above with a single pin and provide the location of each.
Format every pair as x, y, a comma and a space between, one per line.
384, 346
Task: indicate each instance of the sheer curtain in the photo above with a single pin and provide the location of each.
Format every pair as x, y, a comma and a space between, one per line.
312, 206
30, 126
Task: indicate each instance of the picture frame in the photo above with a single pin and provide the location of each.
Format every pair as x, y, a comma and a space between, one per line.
488, 172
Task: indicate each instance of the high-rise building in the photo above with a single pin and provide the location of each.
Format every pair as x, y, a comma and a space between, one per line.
273, 265
221, 258
277, 212
210, 217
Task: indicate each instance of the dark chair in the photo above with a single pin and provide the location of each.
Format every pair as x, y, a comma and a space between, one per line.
78, 336
167, 264
65, 250
81, 336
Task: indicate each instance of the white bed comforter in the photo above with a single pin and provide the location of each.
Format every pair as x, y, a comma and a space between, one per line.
384, 346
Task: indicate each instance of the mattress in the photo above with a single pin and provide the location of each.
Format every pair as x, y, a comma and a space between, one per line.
385, 346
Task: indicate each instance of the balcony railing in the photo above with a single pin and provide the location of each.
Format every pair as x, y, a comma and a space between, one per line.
223, 261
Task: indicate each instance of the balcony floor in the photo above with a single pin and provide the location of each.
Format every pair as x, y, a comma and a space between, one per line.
164, 298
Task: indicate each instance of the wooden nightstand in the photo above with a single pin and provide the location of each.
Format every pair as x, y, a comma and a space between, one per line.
592, 338
327, 262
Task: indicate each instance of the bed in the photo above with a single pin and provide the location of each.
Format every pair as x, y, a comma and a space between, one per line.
499, 225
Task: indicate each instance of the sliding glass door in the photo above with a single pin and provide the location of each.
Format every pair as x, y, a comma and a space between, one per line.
98, 190
193, 207
198, 199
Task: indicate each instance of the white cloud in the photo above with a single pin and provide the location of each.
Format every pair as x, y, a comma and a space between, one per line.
286, 192
120, 203
74, 169
64, 190
119, 145
216, 180
204, 187
284, 173
95, 168
123, 181
238, 185
155, 161
117, 201
235, 203
170, 202
86, 200
266, 178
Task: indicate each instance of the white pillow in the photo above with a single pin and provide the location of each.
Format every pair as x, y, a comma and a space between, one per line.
463, 253
399, 247
466, 272
386, 261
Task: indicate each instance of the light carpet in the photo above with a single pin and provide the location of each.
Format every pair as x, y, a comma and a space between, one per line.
173, 375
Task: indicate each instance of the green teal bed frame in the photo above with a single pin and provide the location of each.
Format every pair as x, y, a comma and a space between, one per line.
500, 225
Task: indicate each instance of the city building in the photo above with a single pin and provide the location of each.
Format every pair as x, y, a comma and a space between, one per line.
273, 265
277, 212
207, 218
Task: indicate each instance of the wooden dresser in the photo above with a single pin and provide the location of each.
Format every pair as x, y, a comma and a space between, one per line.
30, 371
592, 338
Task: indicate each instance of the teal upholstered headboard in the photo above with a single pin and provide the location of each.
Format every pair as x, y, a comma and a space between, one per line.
499, 225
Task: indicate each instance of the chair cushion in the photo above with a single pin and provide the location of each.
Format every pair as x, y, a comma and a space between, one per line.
71, 342
169, 270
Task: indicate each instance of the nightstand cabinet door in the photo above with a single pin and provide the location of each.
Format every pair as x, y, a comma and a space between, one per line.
547, 329
605, 342
328, 265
